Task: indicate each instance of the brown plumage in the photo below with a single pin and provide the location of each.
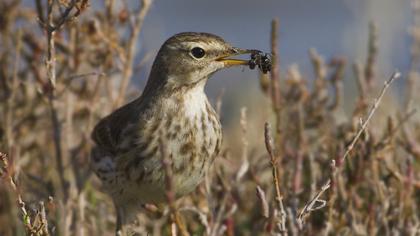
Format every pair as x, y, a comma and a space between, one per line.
172, 110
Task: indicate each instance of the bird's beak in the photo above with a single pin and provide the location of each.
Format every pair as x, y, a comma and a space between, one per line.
234, 52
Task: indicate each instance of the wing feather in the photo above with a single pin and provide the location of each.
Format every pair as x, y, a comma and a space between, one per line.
111, 132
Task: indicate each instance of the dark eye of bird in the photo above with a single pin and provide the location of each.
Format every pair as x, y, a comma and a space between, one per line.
198, 52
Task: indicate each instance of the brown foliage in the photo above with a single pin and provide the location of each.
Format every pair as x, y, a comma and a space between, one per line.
315, 174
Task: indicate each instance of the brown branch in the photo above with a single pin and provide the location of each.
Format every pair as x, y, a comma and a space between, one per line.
131, 49
201, 216
413, 75
337, 82
393, 130
44, 221
360, 79
30, 227
310, 206
372, 55
273, 161
10, 105
320, 70
401, 178
275, 80
243, 169
372, 110
265, 209
51, 29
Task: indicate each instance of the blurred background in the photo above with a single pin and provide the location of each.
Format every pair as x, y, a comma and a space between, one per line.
333, 27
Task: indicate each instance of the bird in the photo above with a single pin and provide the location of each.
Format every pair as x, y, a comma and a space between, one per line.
172, 113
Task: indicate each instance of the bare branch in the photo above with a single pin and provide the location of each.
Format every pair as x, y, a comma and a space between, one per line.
311, 205
372, 110
276, 97
264, 205
131, 50
276, 182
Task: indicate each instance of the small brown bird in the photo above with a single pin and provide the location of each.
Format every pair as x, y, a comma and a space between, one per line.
172, 112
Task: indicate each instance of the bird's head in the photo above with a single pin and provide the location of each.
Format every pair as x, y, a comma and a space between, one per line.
185, 59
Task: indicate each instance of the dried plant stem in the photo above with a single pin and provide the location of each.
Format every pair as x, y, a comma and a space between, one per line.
265, 209
51, 75
409, 143
400, 177
275, 78
320, 69
337, 82
244, 163
30, 227
13, 88
51, 28
136, 27
413, 75
276, 99
360, 79
218, 219
372, 110
333, 192
302, 148
201, 215
57, 145
311, 205
372, 55
276, 182
44, 221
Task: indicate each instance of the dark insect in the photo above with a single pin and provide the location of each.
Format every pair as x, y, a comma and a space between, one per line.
260, 59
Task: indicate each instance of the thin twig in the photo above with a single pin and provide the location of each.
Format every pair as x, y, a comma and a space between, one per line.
372, 55
275, 78
201, 215
265, 209
131, 49
44, 221
310, 206
243, 169
413, 75
276, 182
4, 172
337, 82
9, 114
51, 29
360, 80
372, 110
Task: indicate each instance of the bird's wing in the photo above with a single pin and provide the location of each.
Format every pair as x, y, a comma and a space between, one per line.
112, 131
122, 136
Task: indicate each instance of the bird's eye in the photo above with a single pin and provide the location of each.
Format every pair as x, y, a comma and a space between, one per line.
198, 52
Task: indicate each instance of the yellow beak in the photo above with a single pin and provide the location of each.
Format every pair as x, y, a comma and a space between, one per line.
235, 62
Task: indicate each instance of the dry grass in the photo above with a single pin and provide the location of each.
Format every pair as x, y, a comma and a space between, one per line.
317, 173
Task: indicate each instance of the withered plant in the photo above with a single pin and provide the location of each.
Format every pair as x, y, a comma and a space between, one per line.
315, 169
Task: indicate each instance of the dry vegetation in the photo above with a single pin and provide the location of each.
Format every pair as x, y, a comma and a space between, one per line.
315, 174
